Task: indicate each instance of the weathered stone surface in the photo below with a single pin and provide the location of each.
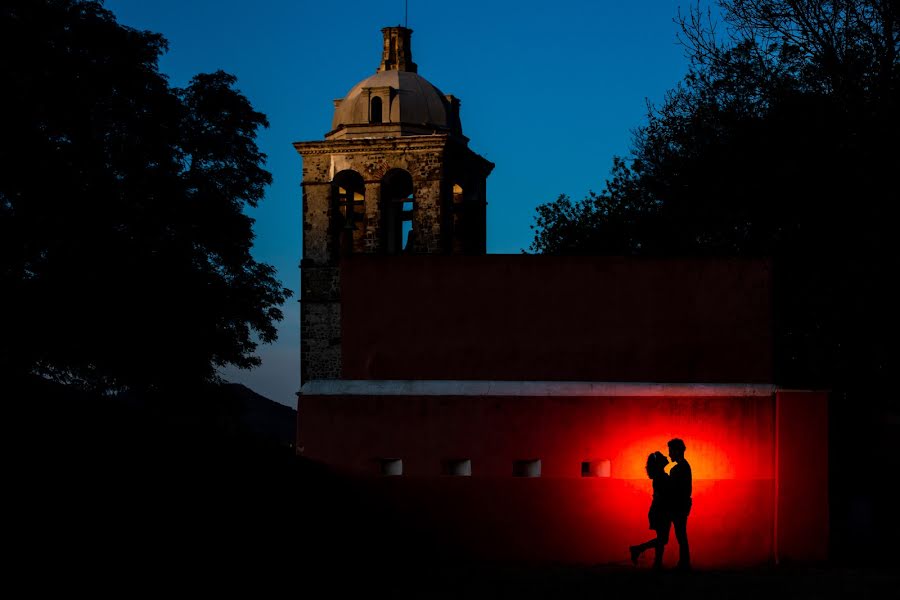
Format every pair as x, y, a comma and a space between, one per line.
443, 221
320, 341
320, 283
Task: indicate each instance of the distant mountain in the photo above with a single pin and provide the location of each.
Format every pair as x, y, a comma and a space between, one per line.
45, 412
261, 416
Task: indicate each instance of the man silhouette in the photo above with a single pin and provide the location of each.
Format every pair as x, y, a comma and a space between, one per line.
680, 480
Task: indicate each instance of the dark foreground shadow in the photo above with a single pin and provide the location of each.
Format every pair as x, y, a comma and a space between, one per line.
116, 496
151, 494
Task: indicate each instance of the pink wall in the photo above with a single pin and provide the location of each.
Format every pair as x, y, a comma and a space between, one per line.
758, 494
802, 450
556, 318
559, 516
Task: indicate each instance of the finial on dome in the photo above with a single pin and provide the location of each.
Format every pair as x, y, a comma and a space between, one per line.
397, 55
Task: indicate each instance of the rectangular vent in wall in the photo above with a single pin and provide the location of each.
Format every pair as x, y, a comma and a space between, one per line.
530, 467
457, 467
391, 466
596, 468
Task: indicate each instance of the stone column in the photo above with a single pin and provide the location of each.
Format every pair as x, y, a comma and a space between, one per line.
427, 217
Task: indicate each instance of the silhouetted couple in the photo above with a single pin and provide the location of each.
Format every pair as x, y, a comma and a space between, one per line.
671, 505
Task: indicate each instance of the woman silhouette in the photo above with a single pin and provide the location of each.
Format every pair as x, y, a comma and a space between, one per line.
659, 515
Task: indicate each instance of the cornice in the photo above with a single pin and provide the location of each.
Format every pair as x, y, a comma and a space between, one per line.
363, 145
346, 387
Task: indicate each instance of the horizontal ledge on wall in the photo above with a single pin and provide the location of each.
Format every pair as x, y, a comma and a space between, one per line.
371, 387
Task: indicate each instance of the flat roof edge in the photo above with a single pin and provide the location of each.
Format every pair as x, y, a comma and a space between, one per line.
372, 387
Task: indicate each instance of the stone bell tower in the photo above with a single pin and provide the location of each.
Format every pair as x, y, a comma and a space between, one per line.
394, 176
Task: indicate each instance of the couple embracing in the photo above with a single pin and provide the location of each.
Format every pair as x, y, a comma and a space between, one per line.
671, 505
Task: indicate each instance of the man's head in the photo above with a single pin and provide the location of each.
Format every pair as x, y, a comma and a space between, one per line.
676, 449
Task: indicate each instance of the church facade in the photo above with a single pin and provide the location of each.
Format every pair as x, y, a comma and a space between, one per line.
510, 401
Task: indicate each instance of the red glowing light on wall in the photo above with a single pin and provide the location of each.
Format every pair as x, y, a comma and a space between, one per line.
572, 514
707, 453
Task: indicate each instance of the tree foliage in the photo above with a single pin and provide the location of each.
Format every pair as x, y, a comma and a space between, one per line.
780, 141
124, 248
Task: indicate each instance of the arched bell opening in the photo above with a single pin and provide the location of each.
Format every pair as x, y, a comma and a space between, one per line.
348, 193
398, 205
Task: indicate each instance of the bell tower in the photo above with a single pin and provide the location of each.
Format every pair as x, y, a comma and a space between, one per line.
394, 176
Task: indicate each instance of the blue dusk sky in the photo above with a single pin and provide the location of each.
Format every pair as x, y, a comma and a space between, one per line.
550, 92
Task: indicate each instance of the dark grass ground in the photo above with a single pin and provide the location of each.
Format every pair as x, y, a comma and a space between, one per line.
176, 496
547, 581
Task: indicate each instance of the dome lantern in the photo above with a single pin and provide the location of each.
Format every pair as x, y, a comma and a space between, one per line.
397, 50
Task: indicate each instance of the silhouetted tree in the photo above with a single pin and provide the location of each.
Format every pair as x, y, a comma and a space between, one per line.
780, 141
124, 249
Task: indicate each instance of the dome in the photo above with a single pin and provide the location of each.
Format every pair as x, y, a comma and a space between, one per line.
396, 101
411, 100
